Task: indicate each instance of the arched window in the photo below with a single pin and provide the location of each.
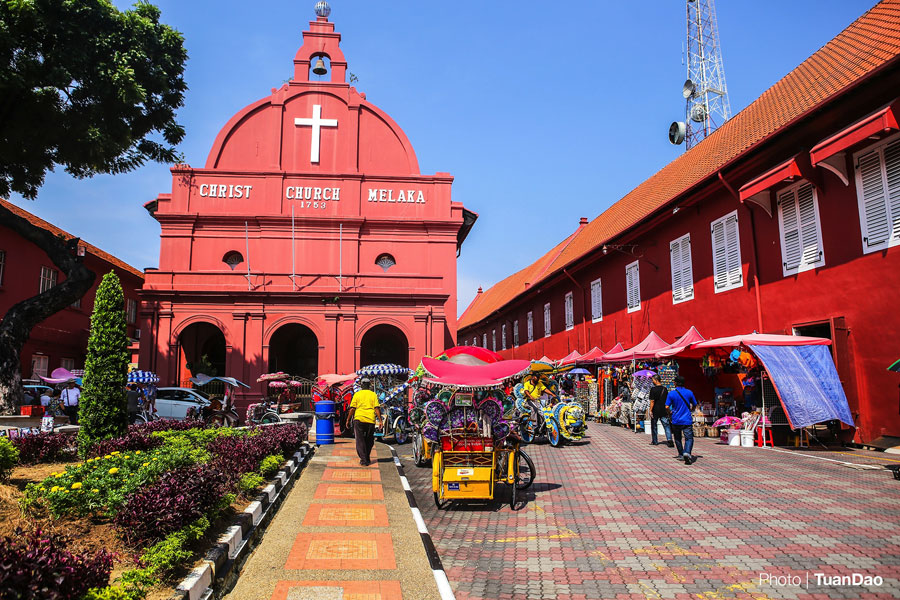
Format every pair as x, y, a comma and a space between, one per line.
233, 259
385, 261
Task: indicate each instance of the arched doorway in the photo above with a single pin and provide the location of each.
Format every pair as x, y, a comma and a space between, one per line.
384, 344
294, 349
201, 350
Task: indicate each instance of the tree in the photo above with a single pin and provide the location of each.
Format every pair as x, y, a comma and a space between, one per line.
90, 88
103, 407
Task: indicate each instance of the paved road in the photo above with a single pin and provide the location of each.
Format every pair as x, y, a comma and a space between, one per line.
616, 518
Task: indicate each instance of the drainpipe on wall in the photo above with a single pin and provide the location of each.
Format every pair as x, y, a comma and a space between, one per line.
754, 253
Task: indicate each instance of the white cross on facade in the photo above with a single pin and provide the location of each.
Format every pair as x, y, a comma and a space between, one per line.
316, 122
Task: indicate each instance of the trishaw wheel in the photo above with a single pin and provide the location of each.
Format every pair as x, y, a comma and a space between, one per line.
526, 471
418, 450
401, 435
527, 431
513, 496
553, 435
270, 417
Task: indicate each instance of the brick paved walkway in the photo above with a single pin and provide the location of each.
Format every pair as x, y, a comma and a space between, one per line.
344, 532
617, 518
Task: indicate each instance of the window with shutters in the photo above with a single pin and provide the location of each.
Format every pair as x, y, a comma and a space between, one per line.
130, 311
596, 301
682, 271
530, 326
475, 341
633, 287
878, 194
726, 247
801, 232
39, 365
67, 363
2, 264
484, 341
503, 337
516, 333
570, 311
547, 320
494, 340
48, 279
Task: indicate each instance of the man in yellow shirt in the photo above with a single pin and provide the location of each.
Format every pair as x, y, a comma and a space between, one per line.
534, 388
365, 411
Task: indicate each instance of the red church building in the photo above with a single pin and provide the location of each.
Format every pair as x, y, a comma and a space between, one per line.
308, 243
26, 270
784, 220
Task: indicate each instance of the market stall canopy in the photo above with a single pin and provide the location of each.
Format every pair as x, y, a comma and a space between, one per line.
59, 375
692, 336
570, 359
617, 348
895, 367
471, 355
382, 369
330, 379
645, 349
549, 361
762, 339
591, 356
473, 376
279, 376
806, 382
201, 380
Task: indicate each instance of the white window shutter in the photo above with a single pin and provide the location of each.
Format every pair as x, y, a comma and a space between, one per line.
516, 333
494, 340
733, 248
530, 326
687, 269
790, 235
892, 175
596, 300
675, 259
547, 319
720, 264
874, 214
633, 286
570, 310
810, 234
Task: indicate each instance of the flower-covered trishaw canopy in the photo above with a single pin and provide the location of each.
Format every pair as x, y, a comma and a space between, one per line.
460, 414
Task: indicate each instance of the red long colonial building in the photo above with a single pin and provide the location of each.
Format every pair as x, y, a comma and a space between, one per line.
785, 220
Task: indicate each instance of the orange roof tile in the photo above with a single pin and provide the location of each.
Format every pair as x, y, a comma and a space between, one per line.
868, 43
39, 222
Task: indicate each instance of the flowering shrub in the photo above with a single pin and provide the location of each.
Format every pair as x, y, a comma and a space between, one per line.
46, 447
238, 455
9, 456
176, 500
143, 436
101, 484
37, 565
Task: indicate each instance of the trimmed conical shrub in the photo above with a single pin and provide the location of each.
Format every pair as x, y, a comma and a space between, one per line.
103, 409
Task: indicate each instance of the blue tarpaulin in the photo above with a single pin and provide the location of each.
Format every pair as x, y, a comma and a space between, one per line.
807, 383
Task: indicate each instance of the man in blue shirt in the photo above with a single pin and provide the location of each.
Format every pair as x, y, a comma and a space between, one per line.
681, 404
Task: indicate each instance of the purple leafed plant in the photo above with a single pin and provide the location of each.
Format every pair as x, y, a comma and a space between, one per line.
138, 437
37, 565
177, 499
45, 447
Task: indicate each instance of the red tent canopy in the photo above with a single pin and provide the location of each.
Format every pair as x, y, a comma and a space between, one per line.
330, 379
762, 339
570, 359
491, 375
692, 336
645, 349
591, 356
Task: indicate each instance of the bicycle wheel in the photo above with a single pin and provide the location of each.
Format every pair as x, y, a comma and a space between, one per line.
418, 449
526, 473
270, 417
512, 496
553, 435
138, 419
526, 430
401, 434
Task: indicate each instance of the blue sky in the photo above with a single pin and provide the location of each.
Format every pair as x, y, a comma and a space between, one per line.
543, 111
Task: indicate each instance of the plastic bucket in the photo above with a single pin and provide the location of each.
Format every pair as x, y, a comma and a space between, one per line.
734, 437
747, 438
324, 422
645, 425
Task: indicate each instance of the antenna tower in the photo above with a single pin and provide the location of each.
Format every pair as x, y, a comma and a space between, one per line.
704, 91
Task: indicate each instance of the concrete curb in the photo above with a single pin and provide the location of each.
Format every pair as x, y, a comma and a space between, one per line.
222, 563
437, 568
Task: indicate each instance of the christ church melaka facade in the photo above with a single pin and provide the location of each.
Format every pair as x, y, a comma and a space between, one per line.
785, 220
309, 242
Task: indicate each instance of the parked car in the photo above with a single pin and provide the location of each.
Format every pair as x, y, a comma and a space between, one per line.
174, 402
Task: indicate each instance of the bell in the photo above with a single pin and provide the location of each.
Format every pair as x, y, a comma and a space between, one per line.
320, 69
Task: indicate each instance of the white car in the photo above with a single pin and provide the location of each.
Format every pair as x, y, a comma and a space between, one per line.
174, 402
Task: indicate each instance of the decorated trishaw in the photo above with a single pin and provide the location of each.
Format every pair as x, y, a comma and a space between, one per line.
144, 383
560, 422
474, 444
219, 411
390, 383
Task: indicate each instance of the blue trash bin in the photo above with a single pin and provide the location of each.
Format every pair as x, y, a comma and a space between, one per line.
324, 422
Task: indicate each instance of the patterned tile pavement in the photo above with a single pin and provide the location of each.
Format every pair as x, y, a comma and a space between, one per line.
614, 517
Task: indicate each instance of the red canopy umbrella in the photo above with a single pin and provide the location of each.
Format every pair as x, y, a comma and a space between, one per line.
570, 359
645, 349
491, 375
591, 356
692, 336
471, 355
762, 339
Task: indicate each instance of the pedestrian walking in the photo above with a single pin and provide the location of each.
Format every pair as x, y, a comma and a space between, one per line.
69, 397
365, 412
681, 404
658, 412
